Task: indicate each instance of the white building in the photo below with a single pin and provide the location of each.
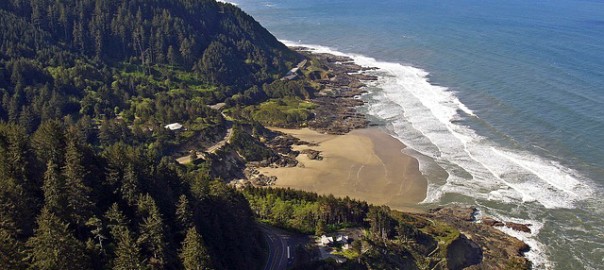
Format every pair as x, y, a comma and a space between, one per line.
173, 126
326, 240
340, 239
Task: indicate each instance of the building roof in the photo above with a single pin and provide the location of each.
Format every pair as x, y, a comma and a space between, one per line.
173, 126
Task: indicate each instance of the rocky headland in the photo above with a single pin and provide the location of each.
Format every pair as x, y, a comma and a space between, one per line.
339, 83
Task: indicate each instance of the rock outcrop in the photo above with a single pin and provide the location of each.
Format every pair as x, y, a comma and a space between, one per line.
340, 85
463, 253
499, 250
312, 154
519, 227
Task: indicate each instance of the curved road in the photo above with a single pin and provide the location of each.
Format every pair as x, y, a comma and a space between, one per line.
277, 241
212, 149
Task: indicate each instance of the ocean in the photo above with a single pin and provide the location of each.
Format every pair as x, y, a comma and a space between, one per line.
502, 102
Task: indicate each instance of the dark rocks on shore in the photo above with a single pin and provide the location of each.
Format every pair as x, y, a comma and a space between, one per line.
499, 250
340, 86
514, 226
337, 115
519, 227
461, 213
312, 154
258, 179
492, 222
282, 143
365, 77
462, 253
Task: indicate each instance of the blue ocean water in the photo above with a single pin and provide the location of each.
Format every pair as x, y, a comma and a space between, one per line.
502, 102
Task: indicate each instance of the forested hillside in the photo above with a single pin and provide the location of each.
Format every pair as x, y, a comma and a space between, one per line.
86, 88
63, 206
153, 61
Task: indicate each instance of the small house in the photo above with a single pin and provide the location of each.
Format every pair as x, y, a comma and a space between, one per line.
173, 126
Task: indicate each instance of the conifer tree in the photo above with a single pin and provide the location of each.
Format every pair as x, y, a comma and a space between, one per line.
127, 253
17, 202
184, 213
129, 185
79, 205
53, 247
151, 229
11, 251
194, 255
53, 188
49, 141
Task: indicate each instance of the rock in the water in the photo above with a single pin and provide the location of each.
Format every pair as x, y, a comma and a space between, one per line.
499, 250
492, 222
519, 227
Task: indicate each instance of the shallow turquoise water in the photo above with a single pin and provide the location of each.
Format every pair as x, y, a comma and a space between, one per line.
501, 101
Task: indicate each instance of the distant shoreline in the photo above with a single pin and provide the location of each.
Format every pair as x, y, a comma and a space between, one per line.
365, 164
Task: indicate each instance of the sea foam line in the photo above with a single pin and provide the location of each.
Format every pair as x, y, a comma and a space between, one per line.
477, 167
503, 191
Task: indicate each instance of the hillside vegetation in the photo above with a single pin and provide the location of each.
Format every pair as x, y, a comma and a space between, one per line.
86, 88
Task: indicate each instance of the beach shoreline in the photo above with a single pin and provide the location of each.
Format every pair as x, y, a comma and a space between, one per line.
365, 164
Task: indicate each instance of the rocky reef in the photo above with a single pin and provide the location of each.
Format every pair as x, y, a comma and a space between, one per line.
339, 85
481, 239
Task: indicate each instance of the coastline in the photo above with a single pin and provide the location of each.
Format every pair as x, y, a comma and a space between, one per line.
365, 164
535, 253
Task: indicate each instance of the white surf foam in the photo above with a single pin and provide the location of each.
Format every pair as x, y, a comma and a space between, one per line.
423, 116
537, 254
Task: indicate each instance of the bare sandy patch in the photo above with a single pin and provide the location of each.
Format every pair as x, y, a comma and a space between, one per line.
365, 164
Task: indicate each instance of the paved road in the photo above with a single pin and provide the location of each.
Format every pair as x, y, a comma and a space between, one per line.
212, 149
277, 242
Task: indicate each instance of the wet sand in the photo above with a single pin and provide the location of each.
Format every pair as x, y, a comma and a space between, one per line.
365, 164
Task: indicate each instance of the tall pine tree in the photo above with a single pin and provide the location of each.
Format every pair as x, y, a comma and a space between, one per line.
79, 205
54, 190
127, 253
152, 236
194, 255
53, 247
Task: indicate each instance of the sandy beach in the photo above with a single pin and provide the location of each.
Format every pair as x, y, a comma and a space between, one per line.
365, 164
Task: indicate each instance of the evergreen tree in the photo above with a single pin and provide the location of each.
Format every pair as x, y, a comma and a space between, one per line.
18, 204
97, 230
49, 142
54, 190
194, 255
152, 237
129, 186
79, 204
53, 247
184, 213
127, 252
11, 251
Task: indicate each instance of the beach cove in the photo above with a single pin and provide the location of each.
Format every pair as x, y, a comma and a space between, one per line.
365, 164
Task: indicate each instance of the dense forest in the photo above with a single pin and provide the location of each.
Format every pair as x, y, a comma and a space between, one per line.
65, 206
143, 63
86, 87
